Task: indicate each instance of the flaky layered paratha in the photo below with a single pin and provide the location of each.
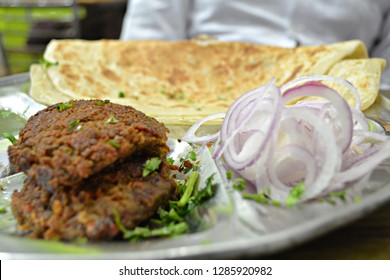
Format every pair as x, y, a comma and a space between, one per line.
180, 82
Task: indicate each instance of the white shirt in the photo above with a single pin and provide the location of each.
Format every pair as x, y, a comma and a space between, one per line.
286, 23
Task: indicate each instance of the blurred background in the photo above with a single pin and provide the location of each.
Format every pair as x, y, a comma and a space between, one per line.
26, 26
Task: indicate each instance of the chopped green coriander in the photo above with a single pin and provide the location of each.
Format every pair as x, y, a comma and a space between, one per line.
229, 174
260, 197
138, 233
112, 119
3, 210
200, 196
341, 194
276, 203
114, 144
191, 155
263, 197
357, 199
295, 194
170, 160
193, 179
151, 165
239, 184
163, 91
330, 200
73, 124
64, 106
10, 137
177, 218
371, 125
102, 103
121, 94
117, 220
172, 215
45, 63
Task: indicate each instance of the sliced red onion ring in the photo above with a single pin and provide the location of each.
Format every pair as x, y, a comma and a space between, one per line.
282, 176
365, 165
190, 136
341, 106
261, 117
324, 143
312, 78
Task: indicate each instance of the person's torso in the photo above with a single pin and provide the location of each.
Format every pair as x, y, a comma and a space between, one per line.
288, 22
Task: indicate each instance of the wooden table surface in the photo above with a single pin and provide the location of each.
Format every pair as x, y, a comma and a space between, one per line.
365, 239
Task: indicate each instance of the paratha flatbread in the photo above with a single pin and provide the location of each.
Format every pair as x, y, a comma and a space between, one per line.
364, 74
179, 82
42, 89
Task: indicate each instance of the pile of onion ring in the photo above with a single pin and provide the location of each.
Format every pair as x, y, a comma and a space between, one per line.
325, 143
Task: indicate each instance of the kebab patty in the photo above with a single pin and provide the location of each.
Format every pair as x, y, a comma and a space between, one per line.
69, 213
66, 143
84, 160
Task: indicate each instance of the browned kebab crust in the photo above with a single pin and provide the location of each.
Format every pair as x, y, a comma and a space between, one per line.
76, 178
54, 153
86, 211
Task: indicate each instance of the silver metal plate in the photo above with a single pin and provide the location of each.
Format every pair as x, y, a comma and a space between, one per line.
236, 227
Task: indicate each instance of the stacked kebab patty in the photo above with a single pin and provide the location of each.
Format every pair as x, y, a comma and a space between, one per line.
84, 160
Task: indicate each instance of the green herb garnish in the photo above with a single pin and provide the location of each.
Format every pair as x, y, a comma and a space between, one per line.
260, 197
73, 124
138, 233
102, 102
170, 160
229, 174
191, 183
295, 194
45, 63
114, 144
121, 94
64, 106
239, 184
179, 218
3, 210
191, 155
151, 165
10, 137
341, 194
112, 119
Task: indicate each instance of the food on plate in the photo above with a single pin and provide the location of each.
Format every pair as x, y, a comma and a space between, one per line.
297, 153
364, 74
179, 82
85, 160
66, 143
86, 210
